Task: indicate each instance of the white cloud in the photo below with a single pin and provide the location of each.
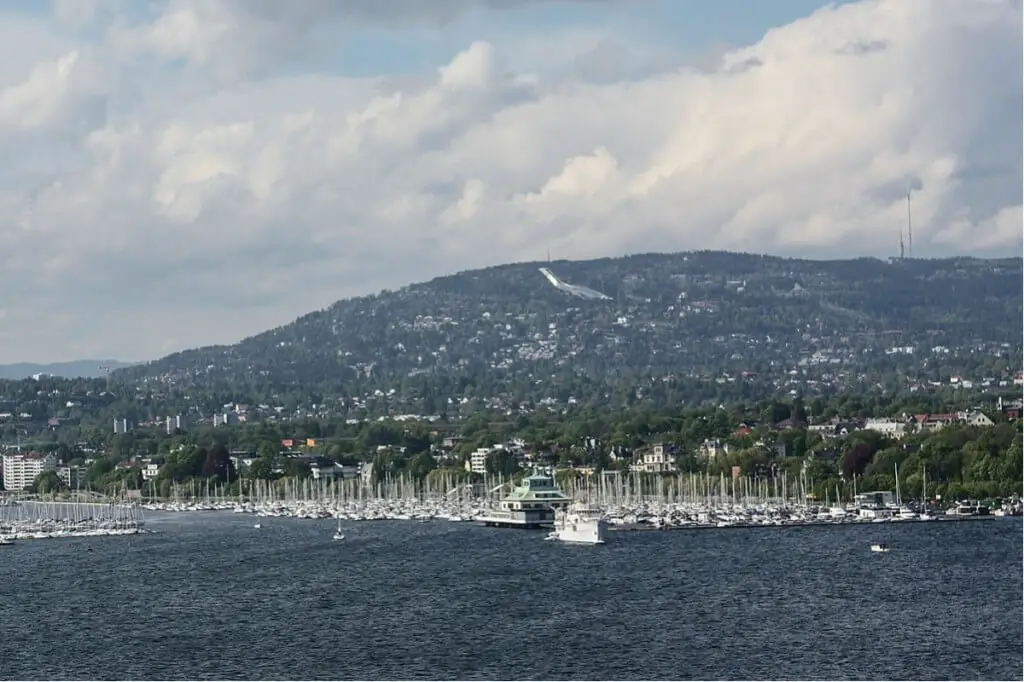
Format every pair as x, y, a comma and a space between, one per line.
141, 204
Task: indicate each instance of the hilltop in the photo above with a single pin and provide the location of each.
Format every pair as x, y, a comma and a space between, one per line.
683, 326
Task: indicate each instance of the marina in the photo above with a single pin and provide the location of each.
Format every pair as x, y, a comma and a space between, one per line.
620, 503
35, 520
626, 502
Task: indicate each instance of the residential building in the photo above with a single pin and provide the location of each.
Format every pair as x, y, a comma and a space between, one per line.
935, 422
1010, 408
478, 459
659, 458
332, 470
976, 418
712, 448
225, 418
176, 423
72, 476
890, 428
20, 470
150, 470
122, 425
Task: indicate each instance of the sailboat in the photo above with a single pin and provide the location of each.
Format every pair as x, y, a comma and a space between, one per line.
338, 535
924, 515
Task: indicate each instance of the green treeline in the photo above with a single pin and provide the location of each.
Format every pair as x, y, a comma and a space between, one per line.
763, 440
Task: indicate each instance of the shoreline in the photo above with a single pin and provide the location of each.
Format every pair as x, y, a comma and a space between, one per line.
695, 526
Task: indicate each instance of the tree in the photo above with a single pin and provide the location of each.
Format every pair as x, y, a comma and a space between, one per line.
262, 468
856, 460
501, 462
46, 482
269, 449
218, 464
297, 468
421, 465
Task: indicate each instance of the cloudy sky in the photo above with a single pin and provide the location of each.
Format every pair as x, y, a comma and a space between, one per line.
188, 172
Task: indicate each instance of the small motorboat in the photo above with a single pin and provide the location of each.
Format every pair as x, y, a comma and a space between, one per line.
880, 547
257, 525
6, 542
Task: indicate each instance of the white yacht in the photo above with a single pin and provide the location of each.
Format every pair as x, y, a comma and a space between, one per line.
579, 523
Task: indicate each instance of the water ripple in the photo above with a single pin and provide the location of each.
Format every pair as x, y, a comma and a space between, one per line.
210, 597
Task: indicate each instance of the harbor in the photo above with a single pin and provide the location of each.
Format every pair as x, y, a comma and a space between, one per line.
43, 520
626, 502
621, 503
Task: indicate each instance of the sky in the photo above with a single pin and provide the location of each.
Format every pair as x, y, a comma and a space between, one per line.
188, 172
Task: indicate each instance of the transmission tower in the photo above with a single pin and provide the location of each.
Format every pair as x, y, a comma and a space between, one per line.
106, 373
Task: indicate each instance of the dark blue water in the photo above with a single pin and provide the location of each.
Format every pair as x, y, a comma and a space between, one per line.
209, 596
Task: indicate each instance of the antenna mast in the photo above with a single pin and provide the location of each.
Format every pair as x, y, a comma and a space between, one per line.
910, 228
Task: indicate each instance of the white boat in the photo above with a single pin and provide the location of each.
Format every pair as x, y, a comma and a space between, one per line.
580, 524
884, 549
6, 542
338, 535
257, 525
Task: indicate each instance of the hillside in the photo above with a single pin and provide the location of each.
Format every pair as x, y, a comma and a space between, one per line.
676, 320
69, 369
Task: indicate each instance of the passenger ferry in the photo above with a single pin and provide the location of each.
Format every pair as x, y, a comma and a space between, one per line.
531, 504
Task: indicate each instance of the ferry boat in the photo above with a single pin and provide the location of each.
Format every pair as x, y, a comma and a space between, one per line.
531, 504
579, 523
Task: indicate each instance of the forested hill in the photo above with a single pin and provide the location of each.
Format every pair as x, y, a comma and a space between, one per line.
708, 316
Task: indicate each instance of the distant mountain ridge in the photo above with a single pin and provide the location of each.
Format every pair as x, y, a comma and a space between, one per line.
705, 317
70, 369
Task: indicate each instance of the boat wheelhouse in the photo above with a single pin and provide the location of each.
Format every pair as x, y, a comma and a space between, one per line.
531, 504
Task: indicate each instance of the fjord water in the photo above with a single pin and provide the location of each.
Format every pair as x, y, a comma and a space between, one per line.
210, 597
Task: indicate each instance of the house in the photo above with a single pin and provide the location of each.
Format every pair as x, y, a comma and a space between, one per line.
976, 418
333, 471
659, 458
890, 428
935, 422
836, 428
743, 430
712, 448
1010, 408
